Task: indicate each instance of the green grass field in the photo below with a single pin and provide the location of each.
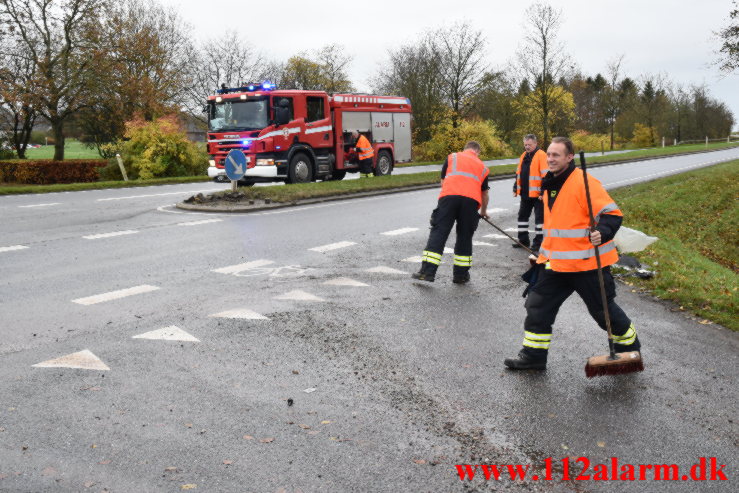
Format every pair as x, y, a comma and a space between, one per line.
696, 217
73, 149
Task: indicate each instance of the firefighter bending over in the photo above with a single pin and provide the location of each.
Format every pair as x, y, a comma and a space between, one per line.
464, 190
566, 262
365, 153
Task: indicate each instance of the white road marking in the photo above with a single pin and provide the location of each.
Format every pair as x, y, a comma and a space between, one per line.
38, 205
13, 248
385, 270
401, 231
345, 281
448, 250
84, 360
332, 246
413, 259
160, 194
114, 295
298, 295
496, 236
235, 269
511, 230
243, 314
110, 235
483, 243
171, 333
496, 209
197, 223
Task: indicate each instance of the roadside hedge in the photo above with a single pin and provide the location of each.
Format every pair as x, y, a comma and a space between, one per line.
49, 172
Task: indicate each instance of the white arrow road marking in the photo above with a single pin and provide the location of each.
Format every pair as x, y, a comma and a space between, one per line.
84, 360
385, 270
171, 333
332, 246
345, 281
38, 205
243, 313
235, 269
12, 248
110, 235
114, 295
400, 231
298, 295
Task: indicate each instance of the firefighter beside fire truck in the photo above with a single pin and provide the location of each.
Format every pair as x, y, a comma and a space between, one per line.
299, 136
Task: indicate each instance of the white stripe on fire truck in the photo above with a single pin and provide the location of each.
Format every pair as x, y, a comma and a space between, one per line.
293, 130
327, 128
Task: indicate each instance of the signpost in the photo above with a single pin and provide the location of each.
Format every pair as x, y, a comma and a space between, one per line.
235, 167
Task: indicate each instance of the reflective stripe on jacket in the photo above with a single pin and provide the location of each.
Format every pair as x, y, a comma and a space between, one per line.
364, 148
464, 176
537, 170
566, 244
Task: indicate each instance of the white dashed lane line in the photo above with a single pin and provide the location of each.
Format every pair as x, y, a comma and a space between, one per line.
332, 246
400, 231
110, 235
38, 205
115, 295
12, 248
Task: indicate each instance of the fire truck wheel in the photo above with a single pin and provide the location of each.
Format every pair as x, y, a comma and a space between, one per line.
300, 170
384, 165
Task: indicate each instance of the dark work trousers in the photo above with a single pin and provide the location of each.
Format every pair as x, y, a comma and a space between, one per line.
452, 209
553, 288
365, 166
524, 213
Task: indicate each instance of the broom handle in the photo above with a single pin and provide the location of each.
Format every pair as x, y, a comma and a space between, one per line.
509, 236
601, 282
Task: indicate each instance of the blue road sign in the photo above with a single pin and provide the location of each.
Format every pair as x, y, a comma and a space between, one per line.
235, 164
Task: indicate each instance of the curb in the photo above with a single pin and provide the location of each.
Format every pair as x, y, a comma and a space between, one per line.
261, 205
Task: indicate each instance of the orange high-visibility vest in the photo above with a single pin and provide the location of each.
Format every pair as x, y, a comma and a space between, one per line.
537, 169
464, 176
566, 244
364, 149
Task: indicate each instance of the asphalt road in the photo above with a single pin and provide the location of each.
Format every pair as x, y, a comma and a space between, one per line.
408, 377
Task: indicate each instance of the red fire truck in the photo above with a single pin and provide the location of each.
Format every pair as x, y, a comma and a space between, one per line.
301, 136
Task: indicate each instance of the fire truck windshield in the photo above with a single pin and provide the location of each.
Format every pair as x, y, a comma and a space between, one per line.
237, 114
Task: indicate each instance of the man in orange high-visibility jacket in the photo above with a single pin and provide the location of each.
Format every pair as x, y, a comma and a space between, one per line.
566, 262
365, 153
532, 166
464, 190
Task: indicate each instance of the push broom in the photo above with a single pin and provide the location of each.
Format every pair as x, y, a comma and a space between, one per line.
612, 363
531, 261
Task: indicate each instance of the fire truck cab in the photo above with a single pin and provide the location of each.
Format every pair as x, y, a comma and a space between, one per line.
300, 136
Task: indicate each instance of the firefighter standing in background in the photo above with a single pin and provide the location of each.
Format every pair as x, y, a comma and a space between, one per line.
464, 190
566, 262
531, 168
365, 153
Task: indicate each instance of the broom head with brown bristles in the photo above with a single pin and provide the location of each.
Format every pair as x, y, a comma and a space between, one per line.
599, 366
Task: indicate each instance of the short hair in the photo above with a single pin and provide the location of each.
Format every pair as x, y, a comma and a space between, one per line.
472, 145
567, 142
530, 137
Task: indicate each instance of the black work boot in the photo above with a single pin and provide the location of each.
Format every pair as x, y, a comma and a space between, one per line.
525, 361
427, 272
461, 275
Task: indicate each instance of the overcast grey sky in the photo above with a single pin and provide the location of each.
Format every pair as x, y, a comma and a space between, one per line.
656, 36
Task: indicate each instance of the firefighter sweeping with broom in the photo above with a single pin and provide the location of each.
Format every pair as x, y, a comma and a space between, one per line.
580, 221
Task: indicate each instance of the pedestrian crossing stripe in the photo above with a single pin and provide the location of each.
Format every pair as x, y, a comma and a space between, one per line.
84, 360
171, 333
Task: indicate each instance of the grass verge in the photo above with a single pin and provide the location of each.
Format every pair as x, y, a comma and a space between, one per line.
696, 217
10, 189
73, 149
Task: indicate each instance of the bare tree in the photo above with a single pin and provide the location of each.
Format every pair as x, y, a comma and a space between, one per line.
322, 70
61, 39
334, 63
18, 115
542, 59
613, 102
729, 36
461, 52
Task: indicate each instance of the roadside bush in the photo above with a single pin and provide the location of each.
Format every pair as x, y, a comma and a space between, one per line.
643, 135
445, 140
585, 141
160, 148
48, 172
